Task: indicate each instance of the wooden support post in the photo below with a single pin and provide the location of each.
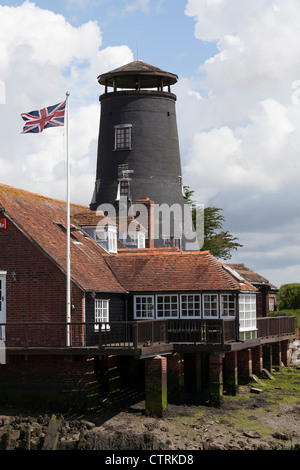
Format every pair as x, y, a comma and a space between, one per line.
193, 372
267, 357
52, 436
231, 373
111, 375
276, 355
257, 360
156, 386
285, 357
175, 376
244, 365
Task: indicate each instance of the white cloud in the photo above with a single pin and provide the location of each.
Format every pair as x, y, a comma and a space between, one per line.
143, 5
47, 36
241, 141
216, 18
247, 125
41, 57
262, 155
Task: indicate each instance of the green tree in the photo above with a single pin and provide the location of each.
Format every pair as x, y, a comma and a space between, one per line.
289, 296
219, 242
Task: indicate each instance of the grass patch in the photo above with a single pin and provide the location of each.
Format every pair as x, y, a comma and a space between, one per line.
199, 414
243, 421
249, 410
285, 387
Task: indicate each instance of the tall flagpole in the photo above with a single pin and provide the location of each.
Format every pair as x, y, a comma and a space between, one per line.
68, 313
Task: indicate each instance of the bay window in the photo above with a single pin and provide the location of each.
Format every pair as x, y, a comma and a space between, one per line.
247, 315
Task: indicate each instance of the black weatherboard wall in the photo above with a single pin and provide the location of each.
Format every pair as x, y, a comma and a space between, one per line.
139, 95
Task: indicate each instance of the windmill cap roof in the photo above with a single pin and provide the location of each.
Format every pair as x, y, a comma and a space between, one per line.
134, 69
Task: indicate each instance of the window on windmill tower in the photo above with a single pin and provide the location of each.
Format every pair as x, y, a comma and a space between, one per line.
123, 137
123, 188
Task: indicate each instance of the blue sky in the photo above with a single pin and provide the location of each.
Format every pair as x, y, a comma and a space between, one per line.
238, 119
157, 31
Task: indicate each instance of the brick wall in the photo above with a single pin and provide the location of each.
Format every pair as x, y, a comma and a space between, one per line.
47, 372
156, 385
38, 290
56, 382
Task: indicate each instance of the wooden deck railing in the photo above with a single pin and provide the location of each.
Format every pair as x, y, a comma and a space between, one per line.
133, 334
275, 325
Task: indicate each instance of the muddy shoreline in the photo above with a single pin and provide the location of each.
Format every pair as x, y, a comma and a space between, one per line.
267, 419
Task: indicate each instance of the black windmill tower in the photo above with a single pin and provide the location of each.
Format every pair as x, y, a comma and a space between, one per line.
138, 147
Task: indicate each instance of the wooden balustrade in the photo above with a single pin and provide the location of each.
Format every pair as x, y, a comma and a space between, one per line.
135, 334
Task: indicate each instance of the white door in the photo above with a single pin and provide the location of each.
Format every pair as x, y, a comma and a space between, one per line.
2, 315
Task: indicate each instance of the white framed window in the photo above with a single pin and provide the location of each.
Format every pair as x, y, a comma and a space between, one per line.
190, 306
143, 306
123, 189
271, 304
123, 137
167, 306
102, 314
210, 306
141, 240
247, 316
112, 239
227, 305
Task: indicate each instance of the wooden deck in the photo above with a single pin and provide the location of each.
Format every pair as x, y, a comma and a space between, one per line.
139, 338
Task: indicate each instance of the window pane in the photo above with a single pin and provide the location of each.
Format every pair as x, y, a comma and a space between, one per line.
101, 313
190, 305
144, 307
247, 313
210, 305
122, 138
167, 306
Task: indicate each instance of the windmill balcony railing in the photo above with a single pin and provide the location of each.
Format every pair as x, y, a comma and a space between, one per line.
132, 334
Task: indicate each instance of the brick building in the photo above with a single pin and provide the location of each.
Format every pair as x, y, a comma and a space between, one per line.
266, 300
146, 311
183, 319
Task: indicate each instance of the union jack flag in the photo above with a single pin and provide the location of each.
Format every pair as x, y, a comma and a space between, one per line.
37, 121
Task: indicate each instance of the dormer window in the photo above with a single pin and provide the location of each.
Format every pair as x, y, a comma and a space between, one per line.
72, 230
172, 241
112, 239
106, 236
123, 137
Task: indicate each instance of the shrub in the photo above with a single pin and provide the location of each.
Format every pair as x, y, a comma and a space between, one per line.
289, 296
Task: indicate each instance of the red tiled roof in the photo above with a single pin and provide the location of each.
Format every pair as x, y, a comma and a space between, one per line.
248, 274
93, 218
140, 270
35, 216
171, 270
87, 218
